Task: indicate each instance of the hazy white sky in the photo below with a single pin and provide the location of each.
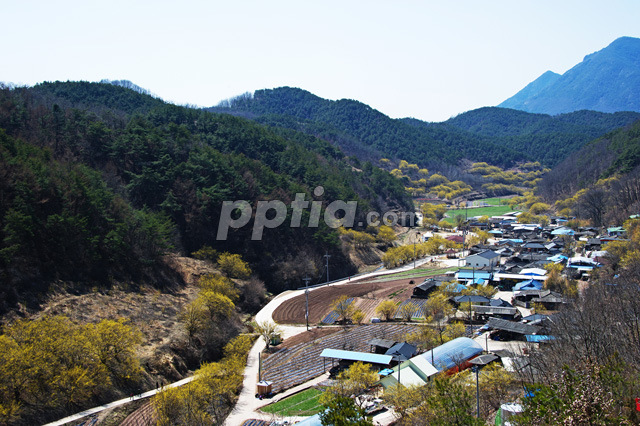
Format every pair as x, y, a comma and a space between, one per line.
425, 59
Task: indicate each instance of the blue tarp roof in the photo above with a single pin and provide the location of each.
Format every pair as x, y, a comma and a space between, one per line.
562, 231
479, 281
452, 353
528, 285
356, 356
311, 421
467, 274
386, 372
538, 338
557, 258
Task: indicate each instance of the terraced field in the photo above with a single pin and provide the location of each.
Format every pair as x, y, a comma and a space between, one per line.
293, 365
416, 307
366, 297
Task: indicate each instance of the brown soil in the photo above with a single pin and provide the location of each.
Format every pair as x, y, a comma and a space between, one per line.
367, 296
307, 336
143, 416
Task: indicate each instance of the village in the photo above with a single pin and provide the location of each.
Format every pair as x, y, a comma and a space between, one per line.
503, 292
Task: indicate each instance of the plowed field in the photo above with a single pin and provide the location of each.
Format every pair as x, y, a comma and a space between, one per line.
366, 297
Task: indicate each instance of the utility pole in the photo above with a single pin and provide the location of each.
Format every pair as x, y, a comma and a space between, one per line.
327, 256
306, 293
476, 368
418, 235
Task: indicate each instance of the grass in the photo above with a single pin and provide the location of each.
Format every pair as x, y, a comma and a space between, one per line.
495, 201
480, 211
414, 273
305, 403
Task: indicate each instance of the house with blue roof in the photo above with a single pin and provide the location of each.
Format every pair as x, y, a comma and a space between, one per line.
528, 285
468, 276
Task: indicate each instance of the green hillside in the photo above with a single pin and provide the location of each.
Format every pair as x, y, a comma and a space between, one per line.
99, 181
497, 136
600, 181
359, 128
544, 138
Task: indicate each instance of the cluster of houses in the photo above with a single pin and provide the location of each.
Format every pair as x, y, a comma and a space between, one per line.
515, 262
517, 257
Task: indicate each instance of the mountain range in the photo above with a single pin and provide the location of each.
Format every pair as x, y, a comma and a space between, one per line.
606, 81
498, 136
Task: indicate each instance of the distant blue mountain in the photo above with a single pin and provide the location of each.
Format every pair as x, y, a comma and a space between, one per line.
606, 81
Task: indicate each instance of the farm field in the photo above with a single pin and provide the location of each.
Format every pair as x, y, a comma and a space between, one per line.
366, 295
479, 211
297, 363
292, 311
494, 201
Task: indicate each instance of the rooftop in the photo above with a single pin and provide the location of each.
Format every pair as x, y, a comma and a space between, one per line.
357, 356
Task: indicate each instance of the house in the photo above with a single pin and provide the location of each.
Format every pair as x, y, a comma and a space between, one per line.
528, 285
616, 231
549, 299
593, 244
402, 351
459, 239
483, 313
563, 231
422, 291
469, 276
485, 259
416, 371
501, 303
470, 298
510, 330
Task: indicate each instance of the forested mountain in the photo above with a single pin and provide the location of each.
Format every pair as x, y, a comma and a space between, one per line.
617, 153
607, 81
98, 181
497, 136
545, 138
358, 128
601, 181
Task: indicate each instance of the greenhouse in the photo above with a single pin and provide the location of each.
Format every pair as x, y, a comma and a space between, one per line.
453, 355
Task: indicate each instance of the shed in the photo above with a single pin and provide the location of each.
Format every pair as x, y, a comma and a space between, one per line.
380, 345
356, 356
422, 291
264, 387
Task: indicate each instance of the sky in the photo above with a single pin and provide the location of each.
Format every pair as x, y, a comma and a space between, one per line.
430, 60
